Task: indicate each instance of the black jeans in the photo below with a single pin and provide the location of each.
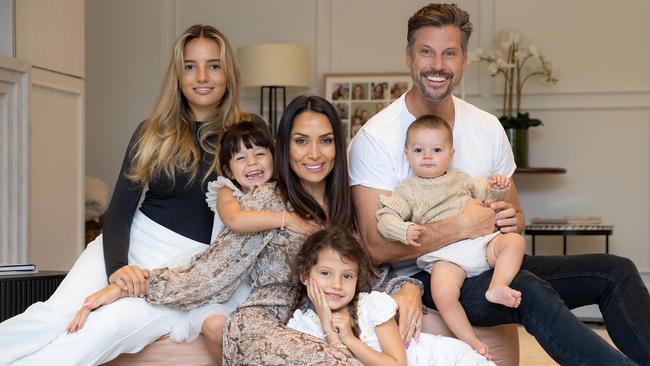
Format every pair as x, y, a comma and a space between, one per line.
550, 286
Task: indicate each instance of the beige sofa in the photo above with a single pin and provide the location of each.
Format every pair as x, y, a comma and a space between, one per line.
503, 341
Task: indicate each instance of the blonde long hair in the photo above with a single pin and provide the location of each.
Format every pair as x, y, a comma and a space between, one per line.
165, 144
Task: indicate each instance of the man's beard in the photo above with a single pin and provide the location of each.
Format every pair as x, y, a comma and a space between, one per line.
419, 85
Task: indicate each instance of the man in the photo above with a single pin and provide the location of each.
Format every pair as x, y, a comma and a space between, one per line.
436, 53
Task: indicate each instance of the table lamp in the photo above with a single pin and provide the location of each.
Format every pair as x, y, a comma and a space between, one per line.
273, 67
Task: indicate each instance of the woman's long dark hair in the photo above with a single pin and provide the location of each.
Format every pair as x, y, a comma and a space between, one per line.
342, 241
337, 187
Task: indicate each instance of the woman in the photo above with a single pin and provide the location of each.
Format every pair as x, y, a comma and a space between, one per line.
172, 153
312, 181
312, 178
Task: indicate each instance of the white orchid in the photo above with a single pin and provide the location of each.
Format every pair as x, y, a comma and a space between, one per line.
512, 67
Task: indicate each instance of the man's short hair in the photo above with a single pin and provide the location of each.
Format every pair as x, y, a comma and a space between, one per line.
440, 15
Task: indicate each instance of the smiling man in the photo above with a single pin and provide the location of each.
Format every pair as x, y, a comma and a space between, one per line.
436, 53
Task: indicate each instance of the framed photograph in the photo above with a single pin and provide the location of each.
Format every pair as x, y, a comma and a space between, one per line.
357, 97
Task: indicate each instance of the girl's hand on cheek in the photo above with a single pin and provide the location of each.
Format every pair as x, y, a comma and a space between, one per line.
317, 297
342, 325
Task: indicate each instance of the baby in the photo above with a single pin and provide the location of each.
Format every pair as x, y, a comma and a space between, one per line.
436, 193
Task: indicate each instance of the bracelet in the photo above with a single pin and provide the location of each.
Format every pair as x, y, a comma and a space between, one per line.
338, 345
330, 333
284, 216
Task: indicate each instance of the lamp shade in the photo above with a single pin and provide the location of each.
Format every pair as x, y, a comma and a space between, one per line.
274, 64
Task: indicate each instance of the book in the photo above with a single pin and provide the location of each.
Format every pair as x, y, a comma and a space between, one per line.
567, 220
18, 273
17, 267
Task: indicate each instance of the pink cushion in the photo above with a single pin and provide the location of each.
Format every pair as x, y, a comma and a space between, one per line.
503, 341
165, 352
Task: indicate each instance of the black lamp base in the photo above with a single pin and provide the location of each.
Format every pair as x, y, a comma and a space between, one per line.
273, 105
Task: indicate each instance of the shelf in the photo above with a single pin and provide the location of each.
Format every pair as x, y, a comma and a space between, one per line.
532, 170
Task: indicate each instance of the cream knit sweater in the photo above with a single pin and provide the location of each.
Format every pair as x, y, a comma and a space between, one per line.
422, 200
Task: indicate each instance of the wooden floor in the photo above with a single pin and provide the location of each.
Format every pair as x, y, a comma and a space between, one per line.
531, 354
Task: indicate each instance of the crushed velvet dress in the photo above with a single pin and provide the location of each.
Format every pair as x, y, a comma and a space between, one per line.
255, 333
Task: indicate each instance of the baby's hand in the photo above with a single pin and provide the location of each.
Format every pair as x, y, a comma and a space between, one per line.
499, 182
299, 225
413, 234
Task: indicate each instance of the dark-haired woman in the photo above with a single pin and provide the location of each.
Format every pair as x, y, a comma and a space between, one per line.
312, 179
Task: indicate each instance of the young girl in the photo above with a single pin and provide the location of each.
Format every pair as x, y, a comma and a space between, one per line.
333, 271
246, 157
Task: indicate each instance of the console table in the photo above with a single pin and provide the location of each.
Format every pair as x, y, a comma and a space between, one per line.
569, 230
17, 292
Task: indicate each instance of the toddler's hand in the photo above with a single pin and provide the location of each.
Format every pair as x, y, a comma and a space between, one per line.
299, 225
499, 182
413, 234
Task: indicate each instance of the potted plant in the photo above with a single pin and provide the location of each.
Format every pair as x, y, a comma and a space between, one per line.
511, 63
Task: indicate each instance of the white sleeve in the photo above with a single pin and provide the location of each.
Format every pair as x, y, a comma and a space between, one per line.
369, 163
379, 307
304, 322
504, 160
211, 198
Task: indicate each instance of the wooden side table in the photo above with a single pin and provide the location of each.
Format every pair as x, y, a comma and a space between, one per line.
18, 292
569, 230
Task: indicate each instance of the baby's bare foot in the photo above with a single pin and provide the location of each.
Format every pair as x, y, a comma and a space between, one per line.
503, 295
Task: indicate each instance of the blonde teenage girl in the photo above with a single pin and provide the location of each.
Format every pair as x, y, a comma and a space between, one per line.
172, 153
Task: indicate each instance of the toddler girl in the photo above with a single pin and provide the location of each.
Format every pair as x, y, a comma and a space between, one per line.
246, 157
333, 271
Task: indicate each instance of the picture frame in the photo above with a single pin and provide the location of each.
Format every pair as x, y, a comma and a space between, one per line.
357, 97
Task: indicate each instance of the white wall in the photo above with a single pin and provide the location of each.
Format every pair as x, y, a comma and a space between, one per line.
596, 119
7, 28
50, 37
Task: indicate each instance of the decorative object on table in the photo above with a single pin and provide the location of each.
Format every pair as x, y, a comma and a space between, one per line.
96, 206
357, 97
96, 198
17, 269
273, 67
567, 220
511, 63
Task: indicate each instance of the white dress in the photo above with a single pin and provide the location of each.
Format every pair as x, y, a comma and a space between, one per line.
376, 308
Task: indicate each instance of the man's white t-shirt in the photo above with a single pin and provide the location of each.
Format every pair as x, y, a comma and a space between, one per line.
376, 153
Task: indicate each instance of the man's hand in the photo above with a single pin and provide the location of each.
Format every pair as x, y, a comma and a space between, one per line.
131, 279
409, 308
506, 216
476, 220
